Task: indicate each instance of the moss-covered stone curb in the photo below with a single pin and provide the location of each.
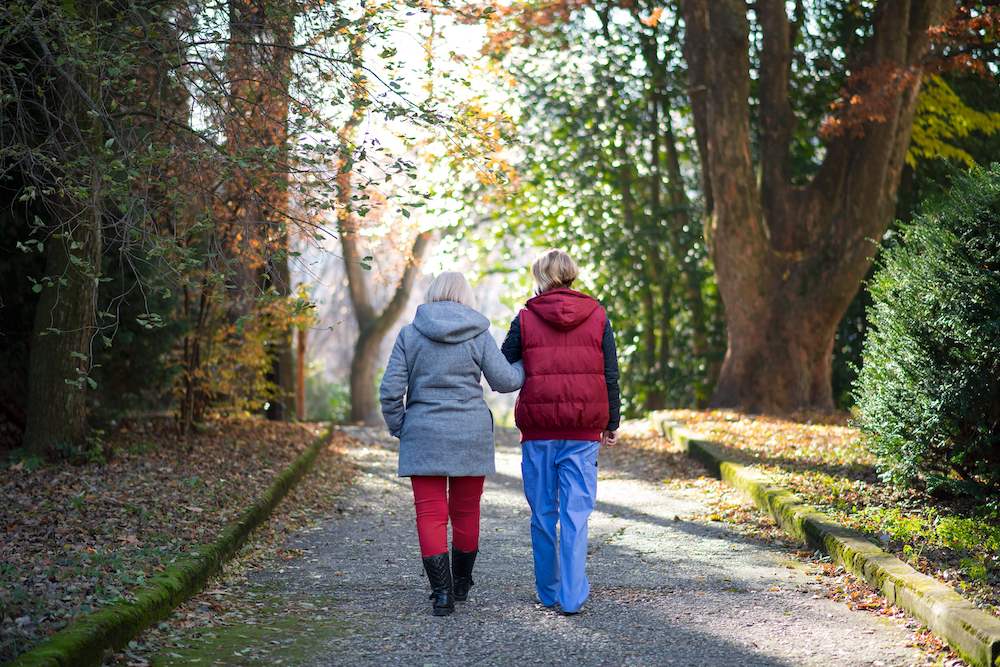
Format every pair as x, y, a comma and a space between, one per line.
86, 641
971, 632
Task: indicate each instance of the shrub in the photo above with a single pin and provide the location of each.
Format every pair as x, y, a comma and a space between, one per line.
929, 390
327, 400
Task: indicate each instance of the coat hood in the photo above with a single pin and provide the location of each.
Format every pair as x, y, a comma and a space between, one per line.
449, 321
564, 309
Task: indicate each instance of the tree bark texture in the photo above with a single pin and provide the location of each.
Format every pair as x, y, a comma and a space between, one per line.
790, 259
300, 376
60, 348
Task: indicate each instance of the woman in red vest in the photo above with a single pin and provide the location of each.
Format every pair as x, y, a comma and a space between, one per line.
568, 407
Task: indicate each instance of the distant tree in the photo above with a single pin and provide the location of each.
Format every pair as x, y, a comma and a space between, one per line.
188, 140
607, 176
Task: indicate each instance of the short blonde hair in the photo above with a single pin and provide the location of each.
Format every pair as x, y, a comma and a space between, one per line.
450, 286
553, 269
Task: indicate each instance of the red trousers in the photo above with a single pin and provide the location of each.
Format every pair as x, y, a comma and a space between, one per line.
439, 498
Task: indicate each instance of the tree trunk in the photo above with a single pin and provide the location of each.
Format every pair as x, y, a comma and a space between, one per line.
789, 259
64, 328
67, 309
300, 377
195, 397
283, 366
363, 408
373, 327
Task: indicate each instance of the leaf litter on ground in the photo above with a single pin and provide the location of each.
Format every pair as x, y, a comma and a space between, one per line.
645, 454
232, 600
76, 538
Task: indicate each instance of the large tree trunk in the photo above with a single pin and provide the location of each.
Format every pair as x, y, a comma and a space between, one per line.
64, 328
788, 259
64, 322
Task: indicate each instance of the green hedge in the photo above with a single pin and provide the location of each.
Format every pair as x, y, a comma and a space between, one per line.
929, 388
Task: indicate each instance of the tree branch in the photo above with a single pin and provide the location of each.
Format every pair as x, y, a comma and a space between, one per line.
776, 120
394, 308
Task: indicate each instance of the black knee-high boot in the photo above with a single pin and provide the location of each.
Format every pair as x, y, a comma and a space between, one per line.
442, 590
461, 563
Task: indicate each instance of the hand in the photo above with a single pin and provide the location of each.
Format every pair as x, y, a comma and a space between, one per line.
609, 438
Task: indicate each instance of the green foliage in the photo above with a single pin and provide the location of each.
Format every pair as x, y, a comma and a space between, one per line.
607, 178
942, 118
960, 534
929, 390
924, 178
327, 400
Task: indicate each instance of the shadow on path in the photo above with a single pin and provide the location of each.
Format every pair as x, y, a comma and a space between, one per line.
664, 592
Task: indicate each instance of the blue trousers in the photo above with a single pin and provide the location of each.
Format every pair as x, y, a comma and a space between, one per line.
560, 483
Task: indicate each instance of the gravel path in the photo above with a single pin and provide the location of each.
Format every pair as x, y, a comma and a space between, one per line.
665, 591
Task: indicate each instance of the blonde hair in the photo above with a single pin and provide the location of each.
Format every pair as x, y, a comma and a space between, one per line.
450, 286
553, 269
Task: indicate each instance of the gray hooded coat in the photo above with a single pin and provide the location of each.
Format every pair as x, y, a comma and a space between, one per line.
445, 427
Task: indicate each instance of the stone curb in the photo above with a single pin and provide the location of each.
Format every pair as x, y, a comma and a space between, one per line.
84, 642
972, 633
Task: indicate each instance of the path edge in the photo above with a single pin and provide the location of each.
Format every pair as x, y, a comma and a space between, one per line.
84, 642
972, 633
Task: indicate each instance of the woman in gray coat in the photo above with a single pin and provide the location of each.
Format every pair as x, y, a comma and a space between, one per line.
445, 428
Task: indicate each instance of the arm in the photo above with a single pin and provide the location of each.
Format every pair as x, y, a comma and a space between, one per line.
393, 388
511, 347
611, 376
503, 376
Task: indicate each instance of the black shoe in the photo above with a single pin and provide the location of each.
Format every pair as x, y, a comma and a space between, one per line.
439, 574
461, 568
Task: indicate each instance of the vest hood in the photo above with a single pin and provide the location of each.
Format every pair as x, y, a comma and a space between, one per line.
563, 309
449, 322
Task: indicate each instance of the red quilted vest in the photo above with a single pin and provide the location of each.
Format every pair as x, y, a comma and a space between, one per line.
565, 393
